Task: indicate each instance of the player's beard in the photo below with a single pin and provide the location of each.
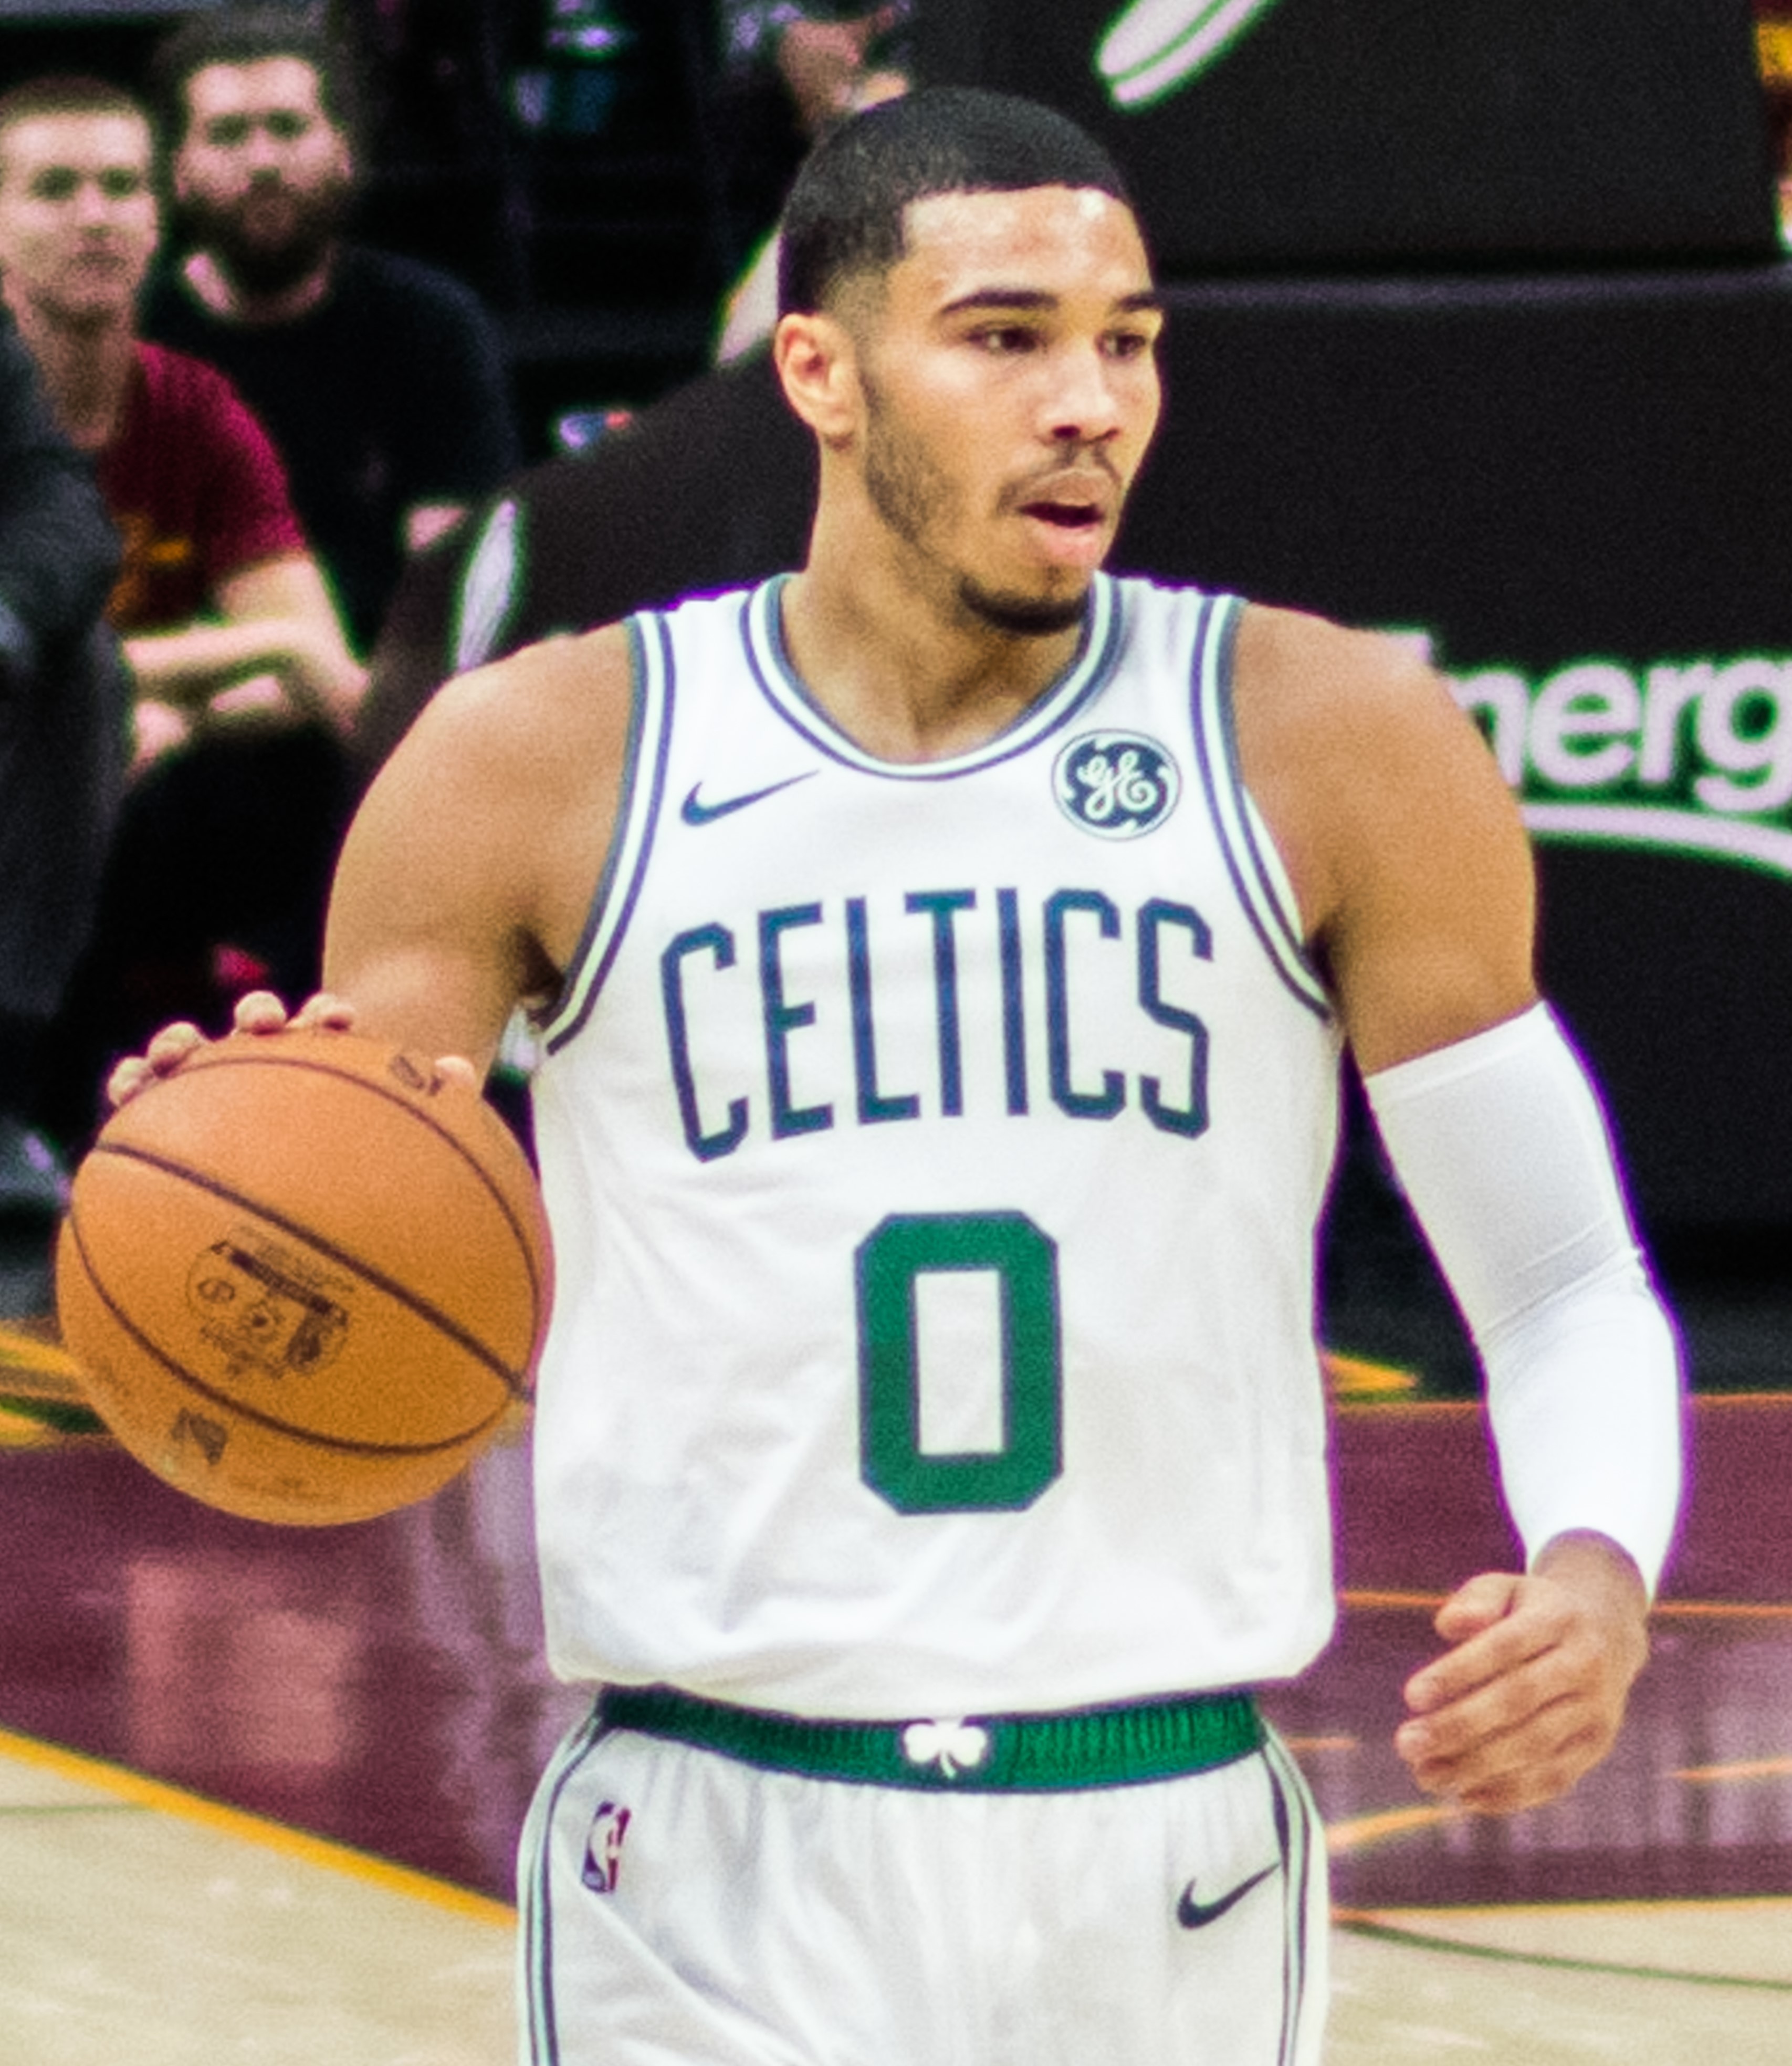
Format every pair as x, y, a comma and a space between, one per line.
253, 262
912, 494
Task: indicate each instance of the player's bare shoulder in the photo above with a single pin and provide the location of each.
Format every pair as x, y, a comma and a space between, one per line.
1354, 750
511, 773
1405, 846
550, 711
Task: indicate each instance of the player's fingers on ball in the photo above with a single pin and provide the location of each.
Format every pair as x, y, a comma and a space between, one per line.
258, 1011
171, 1045
335, 1014
132, 1075
458, 1070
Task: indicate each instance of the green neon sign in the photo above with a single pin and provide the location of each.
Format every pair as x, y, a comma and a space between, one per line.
1154, 48
1685, 757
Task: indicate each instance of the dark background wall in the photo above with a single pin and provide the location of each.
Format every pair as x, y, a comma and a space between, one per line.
1480, 329
1391, 132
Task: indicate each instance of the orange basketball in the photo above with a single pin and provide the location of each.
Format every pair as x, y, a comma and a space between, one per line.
305, 1277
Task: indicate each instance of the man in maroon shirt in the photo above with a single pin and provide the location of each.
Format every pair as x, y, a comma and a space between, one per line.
236, 653
191, 479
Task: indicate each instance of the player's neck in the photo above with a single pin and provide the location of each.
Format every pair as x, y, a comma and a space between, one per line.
222, 295
86, 369
908, 674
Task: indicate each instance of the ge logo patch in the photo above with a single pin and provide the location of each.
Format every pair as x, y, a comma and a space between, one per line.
1116, 784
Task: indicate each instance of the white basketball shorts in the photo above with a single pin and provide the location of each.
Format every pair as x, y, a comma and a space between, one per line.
684, 1907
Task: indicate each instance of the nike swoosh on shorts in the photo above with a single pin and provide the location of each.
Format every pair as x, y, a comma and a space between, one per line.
1194, 1914
696, 812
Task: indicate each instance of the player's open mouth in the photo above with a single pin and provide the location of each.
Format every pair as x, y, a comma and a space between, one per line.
1067, 515
1069, 531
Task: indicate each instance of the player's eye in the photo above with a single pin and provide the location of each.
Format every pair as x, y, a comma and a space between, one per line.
121, 185
58, 184
229, 131
1000, 339
285, 126
1130, 344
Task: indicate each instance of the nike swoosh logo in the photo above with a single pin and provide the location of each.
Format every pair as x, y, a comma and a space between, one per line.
1154, 46
696, 812
1194, 1914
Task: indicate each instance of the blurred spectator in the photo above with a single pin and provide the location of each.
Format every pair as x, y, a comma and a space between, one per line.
812, 72
1773, 37
788, 69
828, 62
636, 520
381, 381
62, 711
237, 656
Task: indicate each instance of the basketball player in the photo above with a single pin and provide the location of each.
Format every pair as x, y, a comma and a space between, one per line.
944, 955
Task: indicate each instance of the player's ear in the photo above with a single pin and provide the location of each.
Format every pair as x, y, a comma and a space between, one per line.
818, 365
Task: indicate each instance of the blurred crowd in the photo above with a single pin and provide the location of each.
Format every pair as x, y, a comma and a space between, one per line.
230, 430
265, 482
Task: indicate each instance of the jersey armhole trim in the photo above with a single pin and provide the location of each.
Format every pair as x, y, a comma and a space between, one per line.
643, 786
1256, 869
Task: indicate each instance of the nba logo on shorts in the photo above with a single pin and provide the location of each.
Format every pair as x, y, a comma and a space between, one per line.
1116, 784
603, 1848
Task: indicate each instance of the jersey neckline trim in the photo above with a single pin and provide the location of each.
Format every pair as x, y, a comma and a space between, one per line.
762, 633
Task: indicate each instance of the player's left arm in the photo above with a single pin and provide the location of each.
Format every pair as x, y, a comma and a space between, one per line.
1414, 878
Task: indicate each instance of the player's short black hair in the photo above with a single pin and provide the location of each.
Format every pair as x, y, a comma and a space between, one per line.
246, 36
845, 211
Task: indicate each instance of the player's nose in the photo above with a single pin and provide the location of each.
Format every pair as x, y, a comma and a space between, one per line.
1084, 405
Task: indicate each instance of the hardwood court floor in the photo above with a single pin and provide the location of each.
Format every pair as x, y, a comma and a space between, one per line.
262, 1698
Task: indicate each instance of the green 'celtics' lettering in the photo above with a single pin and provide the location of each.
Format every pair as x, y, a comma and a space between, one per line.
1024, 1260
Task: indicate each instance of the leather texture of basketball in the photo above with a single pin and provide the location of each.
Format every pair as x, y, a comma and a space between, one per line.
306, 1277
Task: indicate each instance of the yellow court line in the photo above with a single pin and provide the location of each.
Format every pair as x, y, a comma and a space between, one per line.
1757, 1768
1362, 1832
1368, 1599
1447, 1409
140, 1791
1354, 1377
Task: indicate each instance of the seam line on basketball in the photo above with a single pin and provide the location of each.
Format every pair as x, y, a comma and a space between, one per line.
347, 1260
194, 1382
221, 1057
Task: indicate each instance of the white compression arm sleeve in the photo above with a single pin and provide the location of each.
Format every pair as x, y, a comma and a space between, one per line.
1499, 1145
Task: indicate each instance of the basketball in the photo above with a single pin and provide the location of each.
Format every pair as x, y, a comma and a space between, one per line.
305, 1277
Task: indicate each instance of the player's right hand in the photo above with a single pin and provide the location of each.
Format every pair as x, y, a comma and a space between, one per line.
257, 1011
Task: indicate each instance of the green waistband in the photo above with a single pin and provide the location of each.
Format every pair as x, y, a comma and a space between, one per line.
1089, 1747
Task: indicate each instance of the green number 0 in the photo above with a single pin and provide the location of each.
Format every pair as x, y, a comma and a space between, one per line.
1025, 1261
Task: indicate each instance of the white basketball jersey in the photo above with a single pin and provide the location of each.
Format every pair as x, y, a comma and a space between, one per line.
935, 1154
